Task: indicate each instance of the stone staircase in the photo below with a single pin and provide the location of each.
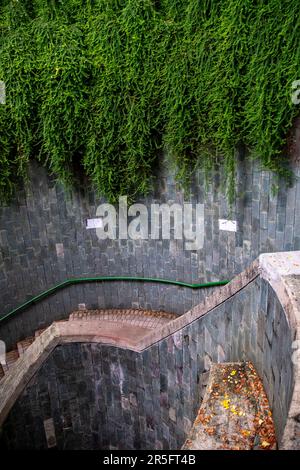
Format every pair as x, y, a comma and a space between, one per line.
235, 413
147, 319
144, 318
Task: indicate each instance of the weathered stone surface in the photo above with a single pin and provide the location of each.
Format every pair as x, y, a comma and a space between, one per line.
234, 413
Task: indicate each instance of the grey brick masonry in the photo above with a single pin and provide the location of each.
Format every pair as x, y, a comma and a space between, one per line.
101, 397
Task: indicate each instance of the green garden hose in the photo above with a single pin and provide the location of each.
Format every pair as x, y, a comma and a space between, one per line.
81, 280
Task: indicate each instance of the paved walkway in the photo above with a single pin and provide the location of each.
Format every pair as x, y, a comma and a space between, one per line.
235, 413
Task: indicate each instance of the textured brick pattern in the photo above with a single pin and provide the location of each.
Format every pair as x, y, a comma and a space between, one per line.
43, 240
102, 397
146, 318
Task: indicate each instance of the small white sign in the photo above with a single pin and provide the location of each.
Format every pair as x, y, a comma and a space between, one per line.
228, 225
94, 223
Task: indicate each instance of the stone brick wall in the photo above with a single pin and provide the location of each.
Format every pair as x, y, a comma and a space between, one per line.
101, 397
43, 241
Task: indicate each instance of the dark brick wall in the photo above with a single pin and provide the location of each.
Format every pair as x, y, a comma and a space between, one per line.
104, 398
44, 215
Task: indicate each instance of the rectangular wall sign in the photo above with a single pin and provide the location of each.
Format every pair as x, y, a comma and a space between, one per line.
94, 223
228, 225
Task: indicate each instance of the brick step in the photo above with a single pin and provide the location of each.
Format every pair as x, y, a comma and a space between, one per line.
147, 318
24, 344
10, 358
235, 413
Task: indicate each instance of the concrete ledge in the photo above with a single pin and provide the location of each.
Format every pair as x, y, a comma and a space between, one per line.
220, 295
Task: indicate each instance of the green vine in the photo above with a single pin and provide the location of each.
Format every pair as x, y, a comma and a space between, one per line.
105, 86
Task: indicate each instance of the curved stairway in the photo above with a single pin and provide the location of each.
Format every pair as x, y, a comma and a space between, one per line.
147, 319
273, 281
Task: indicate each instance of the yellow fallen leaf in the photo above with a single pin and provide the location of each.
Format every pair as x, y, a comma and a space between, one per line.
225, 404
233, 372
265, 444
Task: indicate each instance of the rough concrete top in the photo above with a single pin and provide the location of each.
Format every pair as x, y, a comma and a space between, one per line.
280, 264
282, 270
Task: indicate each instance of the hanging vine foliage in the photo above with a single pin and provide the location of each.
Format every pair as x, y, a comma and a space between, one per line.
107, 85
